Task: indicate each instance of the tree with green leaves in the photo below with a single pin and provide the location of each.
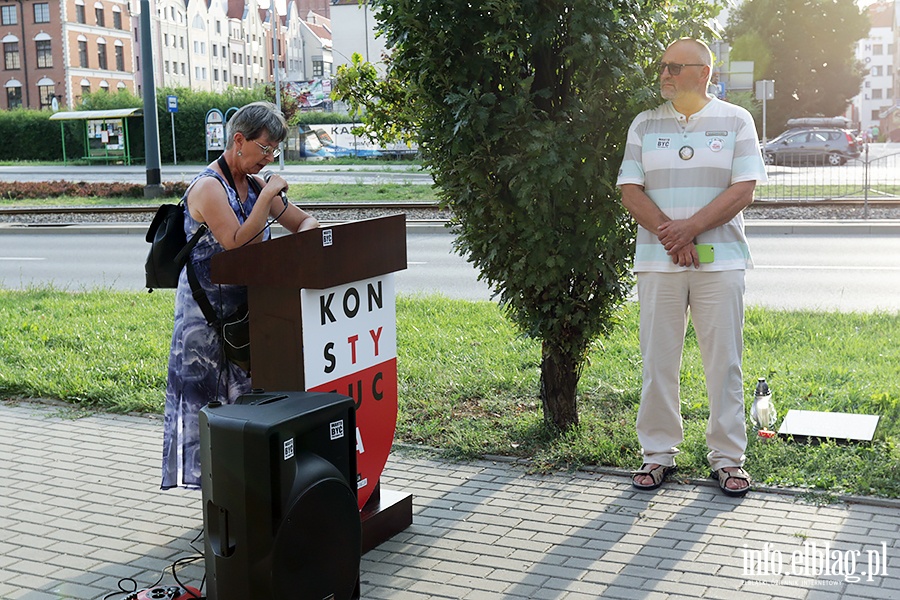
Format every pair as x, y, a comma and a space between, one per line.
806, 47
521, 109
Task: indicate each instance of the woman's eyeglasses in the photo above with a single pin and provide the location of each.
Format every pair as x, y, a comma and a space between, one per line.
275, 152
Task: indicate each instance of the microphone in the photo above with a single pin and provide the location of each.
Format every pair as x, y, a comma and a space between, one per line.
267, 175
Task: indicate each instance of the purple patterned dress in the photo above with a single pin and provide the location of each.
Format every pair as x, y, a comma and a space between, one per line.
198, 370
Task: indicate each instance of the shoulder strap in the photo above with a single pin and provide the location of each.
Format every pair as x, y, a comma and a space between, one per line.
199, 294
182, 256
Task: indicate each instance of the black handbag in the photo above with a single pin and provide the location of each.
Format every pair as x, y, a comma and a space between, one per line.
169, 247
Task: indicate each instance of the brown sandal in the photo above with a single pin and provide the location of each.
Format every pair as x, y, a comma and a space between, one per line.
723, 476
659, 475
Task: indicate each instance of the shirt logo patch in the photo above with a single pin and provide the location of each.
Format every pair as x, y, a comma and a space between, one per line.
716, 144
662, 143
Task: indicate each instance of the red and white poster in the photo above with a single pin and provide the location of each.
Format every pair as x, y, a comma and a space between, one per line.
350, 347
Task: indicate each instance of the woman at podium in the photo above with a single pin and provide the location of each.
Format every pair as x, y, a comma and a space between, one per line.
235, 206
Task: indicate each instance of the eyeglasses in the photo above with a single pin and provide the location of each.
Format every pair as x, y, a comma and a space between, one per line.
675, 68
275, 152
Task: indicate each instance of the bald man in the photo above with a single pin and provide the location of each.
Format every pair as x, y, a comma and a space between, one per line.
690, 168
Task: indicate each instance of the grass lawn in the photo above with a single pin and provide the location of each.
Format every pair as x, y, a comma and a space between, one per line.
469, 381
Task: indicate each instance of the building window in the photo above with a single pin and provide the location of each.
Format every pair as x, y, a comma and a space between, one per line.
8, 15
85, 90
117, 19
876, 71
101, 20
11, 55
82, 54
44, 54
41, 12
876, 114
79, 13
45, 92
14, 97
318, 68
101, 56
876, 94
120, 58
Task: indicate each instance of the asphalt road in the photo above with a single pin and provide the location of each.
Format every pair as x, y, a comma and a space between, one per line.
883, 157
833, 272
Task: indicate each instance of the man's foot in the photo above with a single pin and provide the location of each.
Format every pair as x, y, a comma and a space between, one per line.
733, 481
650, 476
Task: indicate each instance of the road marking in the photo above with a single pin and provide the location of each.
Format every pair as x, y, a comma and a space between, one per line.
20, 258
827, 268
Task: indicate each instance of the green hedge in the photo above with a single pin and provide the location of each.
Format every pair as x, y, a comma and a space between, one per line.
30, 135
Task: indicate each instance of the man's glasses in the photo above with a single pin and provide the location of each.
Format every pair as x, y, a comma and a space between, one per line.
675, 68
276, 152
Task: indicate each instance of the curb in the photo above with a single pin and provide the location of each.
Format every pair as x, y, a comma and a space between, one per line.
753, 227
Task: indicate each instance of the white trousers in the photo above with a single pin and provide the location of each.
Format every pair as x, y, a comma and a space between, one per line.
715, 301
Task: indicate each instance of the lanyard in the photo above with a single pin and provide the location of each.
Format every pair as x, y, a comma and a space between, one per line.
223, 164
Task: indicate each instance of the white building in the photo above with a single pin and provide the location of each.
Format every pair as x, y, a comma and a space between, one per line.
316, 34
353, 30
876, 53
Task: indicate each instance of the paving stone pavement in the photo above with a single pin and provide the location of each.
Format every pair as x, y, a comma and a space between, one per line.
81, 509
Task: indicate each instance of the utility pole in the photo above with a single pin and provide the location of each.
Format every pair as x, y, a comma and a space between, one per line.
276, 68
153, 188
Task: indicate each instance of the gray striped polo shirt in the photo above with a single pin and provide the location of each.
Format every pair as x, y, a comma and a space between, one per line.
683, 164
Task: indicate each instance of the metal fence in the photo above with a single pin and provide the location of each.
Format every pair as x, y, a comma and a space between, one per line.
874, 176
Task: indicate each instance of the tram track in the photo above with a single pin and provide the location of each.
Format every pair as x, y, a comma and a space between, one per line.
429, 211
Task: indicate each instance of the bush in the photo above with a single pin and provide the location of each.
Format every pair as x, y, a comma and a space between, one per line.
53, 189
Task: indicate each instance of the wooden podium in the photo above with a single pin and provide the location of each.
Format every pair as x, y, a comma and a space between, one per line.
280, 274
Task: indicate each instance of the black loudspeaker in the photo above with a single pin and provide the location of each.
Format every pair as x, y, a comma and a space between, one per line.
279, 497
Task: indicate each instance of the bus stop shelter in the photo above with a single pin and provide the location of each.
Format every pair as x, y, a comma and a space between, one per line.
105, 133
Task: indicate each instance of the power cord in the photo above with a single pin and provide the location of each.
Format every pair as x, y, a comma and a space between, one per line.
132, 593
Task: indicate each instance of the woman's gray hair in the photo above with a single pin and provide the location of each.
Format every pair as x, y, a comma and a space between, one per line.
255, 118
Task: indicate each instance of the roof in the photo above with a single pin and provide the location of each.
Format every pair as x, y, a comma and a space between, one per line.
82, 115
881, 14
323, 33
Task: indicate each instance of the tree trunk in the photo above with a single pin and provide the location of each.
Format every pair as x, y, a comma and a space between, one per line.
559, 379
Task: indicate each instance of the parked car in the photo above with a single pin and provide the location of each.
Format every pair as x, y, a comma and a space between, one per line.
806, 145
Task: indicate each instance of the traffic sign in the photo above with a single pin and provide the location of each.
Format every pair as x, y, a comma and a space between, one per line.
172, 102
